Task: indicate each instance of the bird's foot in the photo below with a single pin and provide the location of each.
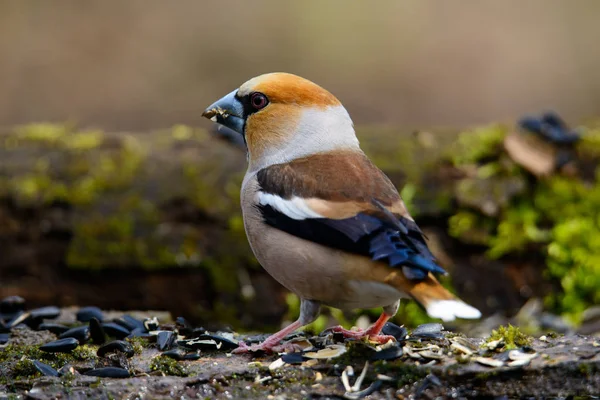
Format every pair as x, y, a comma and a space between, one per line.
266, 347
360, 334
272, 344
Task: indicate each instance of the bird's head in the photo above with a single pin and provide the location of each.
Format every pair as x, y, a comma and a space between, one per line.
283, 117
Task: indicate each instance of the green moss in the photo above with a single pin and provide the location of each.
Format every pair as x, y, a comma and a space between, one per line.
77, 177
556, 217
512, 337
116, 241
19, 359
85, 352
43, 132
519, 226
485, 376
478, 144
403, 373
590, 142
470, 227
587, 369
138, 344
85, 140
24, 368
168, 366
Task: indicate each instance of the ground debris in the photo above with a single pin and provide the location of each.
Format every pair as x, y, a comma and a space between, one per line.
427, 365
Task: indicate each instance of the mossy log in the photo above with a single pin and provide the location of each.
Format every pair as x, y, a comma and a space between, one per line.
152, 220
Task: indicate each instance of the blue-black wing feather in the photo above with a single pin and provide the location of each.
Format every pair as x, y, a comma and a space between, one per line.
397, 241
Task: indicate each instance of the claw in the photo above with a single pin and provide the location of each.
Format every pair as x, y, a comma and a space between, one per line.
363, 334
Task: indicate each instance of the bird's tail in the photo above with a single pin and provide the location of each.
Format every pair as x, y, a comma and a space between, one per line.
437, 301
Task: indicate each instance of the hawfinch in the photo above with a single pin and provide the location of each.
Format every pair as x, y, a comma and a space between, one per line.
320, 217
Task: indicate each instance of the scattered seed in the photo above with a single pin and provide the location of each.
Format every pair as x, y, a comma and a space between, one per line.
176, 354
114, 346
464, 342
519, 358
489, 362
108, 372
50, 312
431, 355
494, 344
45, 369
183, 327
192, 356
221, 342
399, 332
96, 331
390, 353
433, 330
12, 304
276, 364
328, 352
151, 324
129, 322
17, 319
140, 332
198, 344
346, 380
57, 329
411, 353
86, 313
165, 340
460, 348
518, 363
115, 330
4, 337
259, 379
81, 333
361, 378
293, 358
60, 346
311, 362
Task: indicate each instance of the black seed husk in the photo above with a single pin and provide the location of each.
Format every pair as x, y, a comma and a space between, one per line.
81, 333
60, 346
45, 369
115, 330
96, 331
108, 372
86, 313
114, 346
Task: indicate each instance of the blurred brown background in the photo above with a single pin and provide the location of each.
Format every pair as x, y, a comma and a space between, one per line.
148, 64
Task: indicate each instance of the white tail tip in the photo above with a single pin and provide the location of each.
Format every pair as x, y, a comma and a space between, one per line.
448, 310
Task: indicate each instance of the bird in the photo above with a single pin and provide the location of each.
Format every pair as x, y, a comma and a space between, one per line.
320, 217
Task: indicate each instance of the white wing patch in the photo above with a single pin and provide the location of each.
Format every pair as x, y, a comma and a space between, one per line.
448, 310
295, 208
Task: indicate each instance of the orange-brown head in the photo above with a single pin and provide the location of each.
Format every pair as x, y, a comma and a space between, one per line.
283, 117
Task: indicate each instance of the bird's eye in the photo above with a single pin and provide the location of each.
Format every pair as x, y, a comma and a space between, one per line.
258, 100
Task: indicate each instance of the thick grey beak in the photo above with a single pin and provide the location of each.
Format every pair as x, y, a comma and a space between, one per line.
227, 111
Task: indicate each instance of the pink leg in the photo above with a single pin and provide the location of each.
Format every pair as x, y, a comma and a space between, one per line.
372, 333
271, 344
309, 311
